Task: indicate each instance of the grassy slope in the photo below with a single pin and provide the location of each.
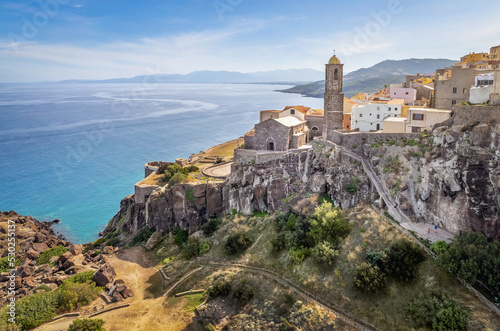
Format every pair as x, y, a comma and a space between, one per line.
334, 284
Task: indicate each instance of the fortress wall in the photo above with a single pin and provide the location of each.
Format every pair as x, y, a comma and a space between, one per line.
349, 140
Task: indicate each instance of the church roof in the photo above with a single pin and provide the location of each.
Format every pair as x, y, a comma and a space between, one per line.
302, 109
289, 121
334, 60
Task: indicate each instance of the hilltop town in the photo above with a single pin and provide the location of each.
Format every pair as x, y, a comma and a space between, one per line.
358, 216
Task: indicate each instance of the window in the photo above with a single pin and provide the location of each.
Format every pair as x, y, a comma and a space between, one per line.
378, 116
406, 93
418, 117
455, 90
453, 102
315, 129
360, 115
465, 90
389, 108
416, 129
396, 109
394, 93
378, 108
292, 111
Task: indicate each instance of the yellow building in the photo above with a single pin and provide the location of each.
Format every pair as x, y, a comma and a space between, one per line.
495, 55
474, 57
348, 104
360, 96
418, 120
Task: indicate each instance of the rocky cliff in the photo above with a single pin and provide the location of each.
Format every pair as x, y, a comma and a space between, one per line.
450, 177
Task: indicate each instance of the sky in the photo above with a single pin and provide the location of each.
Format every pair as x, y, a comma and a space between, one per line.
51, 40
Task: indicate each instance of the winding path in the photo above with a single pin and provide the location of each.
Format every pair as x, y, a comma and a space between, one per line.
340, 314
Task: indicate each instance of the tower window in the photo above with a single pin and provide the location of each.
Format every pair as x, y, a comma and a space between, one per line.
336, 74
454, 90
360, 115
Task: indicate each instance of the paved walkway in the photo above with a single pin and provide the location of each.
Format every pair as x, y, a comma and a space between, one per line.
218, 171
421, 229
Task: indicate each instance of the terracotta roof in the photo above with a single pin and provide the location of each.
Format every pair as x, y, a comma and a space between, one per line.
396, 102
349, 101
302, 109
270, 111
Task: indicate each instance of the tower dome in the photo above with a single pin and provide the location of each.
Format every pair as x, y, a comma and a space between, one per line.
334, 60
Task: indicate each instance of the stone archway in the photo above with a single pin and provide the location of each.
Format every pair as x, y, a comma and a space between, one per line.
270, 145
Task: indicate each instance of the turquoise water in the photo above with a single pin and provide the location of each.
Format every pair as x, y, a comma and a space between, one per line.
72, 152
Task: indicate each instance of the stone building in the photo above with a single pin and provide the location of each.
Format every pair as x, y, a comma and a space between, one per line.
295, 126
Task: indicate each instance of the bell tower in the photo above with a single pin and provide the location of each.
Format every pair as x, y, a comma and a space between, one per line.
334, 98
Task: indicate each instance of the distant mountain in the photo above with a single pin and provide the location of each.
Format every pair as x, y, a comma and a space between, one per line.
374, 78
228, 77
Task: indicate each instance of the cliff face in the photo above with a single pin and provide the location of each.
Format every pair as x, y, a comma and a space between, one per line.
450, 177
249, 188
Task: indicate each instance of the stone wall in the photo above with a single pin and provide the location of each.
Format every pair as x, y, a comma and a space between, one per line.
315, 121
142, 192
357, 139
246, 156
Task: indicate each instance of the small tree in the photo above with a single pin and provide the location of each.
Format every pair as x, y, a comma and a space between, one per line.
237, 243
369, 278
325, 253
87, 325
404, 258
328, 224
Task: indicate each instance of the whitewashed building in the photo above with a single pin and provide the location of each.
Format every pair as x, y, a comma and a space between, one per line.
370, 117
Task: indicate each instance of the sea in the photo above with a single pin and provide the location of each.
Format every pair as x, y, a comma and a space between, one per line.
73, 151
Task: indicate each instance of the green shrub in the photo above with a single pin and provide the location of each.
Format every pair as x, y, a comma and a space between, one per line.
237, 243
44, 287
378, 259
34, 310
404, 258
279, 242
87, 324
142, 236
353, 186
112, 241
221, 285
177, 179
298, 254
71, 296
80, 278
180, 236
46, 255
242, 292
439, 247
5, 264
189, 195
325, 198
369, 278
325, 253
291, 223
260, 213
328, 224
171, 170
471, 257
192, 248
204, 247
211, 226
437, 311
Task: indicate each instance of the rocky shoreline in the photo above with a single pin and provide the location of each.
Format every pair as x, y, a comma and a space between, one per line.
44, 260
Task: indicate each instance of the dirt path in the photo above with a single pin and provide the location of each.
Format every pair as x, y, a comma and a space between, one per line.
137, 271
218, 172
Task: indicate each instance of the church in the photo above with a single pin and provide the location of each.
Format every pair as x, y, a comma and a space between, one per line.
295, 126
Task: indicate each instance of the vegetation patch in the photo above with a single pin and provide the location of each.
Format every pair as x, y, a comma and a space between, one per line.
46, 255
142, 236
237, 243
87, 324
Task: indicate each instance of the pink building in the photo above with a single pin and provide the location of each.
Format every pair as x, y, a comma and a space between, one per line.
408, 94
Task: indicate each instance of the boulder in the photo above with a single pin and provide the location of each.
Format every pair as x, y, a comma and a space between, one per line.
40, 247
76, 249
65, 257
108, 250
106, 274
117, 297
154, 240
68, 264
28, 281
121, 288
32, 254
53, 259
127, 293
25, 271
40, 237
119, 282
44, 269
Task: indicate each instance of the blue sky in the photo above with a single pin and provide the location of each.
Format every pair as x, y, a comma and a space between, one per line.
87, 39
